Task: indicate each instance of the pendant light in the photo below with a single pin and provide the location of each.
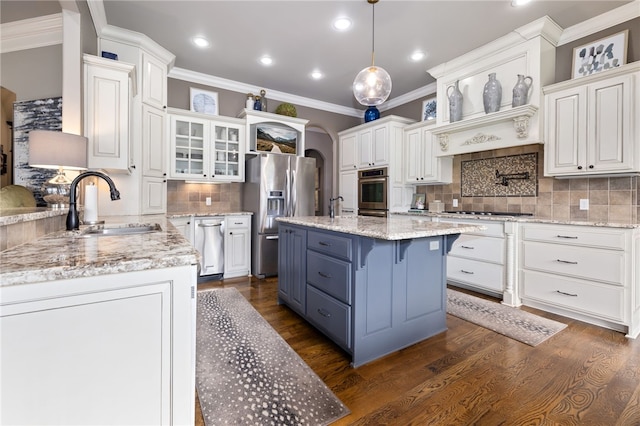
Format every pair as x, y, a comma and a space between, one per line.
372, 85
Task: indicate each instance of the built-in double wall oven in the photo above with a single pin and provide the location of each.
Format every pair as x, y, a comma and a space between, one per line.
372, 192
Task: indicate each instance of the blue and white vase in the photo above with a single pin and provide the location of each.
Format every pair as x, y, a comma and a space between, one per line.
372, 113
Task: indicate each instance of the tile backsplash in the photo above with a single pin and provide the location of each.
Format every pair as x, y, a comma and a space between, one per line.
611, 199
511, 175
191, 197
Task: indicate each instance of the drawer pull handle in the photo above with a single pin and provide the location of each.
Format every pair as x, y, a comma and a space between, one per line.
566, 294
323, 275
237, 223
324, 313
566, 261
322, 243
466, 272
567, 237
468, 247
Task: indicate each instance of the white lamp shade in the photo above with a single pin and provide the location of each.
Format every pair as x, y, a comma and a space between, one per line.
372, 86
52, 150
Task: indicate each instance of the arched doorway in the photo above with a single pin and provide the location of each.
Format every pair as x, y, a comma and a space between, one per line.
319, 179
319, 145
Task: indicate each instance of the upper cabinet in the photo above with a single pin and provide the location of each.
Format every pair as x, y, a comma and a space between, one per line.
528, 51
592, 124
206, 149
109, 87
373, 147
421, 166
154, 81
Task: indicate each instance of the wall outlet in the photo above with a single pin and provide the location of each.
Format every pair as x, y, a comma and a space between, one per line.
207, 201
455, 202
584, 204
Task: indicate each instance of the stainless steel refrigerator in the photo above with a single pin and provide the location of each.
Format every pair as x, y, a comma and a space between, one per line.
275, 185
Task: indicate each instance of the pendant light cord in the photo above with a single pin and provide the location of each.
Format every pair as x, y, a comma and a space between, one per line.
373, 32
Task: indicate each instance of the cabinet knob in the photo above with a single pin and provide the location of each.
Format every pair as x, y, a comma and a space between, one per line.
133, 166
164, 174
591, 166
164, 181
354, 166
204, 175
579, 167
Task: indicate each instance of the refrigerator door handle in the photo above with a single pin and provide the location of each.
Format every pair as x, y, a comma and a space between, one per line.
287, 205
272, 237
294, 194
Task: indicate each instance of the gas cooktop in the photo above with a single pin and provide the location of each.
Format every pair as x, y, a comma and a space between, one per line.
490, 213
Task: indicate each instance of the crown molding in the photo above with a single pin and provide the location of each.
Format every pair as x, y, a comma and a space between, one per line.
601, 22
31, 33
236, 86
429, 89
98, 15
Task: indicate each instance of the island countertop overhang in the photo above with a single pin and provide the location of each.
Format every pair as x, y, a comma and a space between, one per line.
386, 228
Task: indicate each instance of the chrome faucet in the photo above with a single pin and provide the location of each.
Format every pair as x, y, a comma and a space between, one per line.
332, 209
73, 222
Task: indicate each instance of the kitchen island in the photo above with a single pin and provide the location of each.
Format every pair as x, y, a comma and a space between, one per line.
98, 328
372, 285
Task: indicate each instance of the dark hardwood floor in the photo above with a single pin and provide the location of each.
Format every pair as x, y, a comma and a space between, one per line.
468, 375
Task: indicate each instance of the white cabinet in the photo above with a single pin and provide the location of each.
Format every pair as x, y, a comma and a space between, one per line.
108, 90
591, 124
373, 147
206, 150
153, 142
237, 246
583, 272
154, 81
420, 163
349, 191
348, 145
115, 348
154, 195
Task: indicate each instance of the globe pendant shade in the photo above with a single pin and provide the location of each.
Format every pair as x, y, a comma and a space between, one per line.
372, 86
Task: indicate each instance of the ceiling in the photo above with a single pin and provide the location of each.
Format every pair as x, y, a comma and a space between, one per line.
299, 37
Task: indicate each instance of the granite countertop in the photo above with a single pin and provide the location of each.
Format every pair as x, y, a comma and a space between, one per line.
25, 214
521, 219
391, 228
67, 254
218, 213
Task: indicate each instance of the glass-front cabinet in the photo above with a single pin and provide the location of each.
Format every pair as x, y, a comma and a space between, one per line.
204, 149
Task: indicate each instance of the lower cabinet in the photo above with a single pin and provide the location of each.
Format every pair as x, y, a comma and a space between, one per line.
371, 297
237, 246
583, 272
183, 224
114, 349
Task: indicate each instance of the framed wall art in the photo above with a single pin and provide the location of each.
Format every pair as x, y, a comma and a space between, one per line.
429, 109
600, 55
203, 101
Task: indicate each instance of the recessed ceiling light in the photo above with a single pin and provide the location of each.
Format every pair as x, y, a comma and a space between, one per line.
342, 24
417, 56
200, 41
316, 75
516, 3
266, 60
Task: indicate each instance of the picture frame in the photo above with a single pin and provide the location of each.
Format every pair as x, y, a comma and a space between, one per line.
274, 137
429, 109
600, 55
203, 101
418, 201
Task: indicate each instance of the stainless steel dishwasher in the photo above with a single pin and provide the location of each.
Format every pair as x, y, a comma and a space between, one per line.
209, 241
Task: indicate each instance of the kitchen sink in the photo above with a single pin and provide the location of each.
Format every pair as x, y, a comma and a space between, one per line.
121, 230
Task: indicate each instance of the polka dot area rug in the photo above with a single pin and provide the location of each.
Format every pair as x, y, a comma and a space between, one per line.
246, 374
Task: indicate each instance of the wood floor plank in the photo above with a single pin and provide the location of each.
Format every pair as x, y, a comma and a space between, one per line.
468, 375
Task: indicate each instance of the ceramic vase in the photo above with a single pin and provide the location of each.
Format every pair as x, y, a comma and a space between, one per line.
521, 91
455, 102
492, 95
372, 113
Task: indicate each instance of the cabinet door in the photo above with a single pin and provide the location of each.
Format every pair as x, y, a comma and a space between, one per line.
227, 157
365, 148
236, 253
380, 146
292, 271
154, 82
610, 146
349, 191
348, 151
189, 158
566, 130
413, 155
154, 195
153, 142
107, 117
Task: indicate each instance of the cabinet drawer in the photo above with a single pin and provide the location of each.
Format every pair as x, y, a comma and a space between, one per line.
330, 316
332, 244
234, 222
330, 275
576, 236
599, 299
494, 228
580, 262
478, 247
473, 272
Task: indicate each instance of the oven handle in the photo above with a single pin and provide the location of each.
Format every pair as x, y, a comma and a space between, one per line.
375, 179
